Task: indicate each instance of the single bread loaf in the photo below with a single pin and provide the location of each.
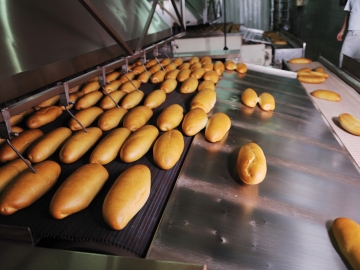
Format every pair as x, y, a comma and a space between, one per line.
300, 60
130, 86
230, 65
211, 76
16, 119
170, 117
249, 97
241, 68
43, 116
151, 62
183, 75
195, 66
350, 123
133, 99
204, 99
158, 76
217, 126
108, 103
49, 102
208, 66
127, 196
86, 117
172, 74
90, 86
185, 65
112, 86
198, 73
10, 170
138, 70
206, 84
326, 95
219, 67
143, 77
189, 85
168, 85
194, 59
127, 77
170, 67
155, 99
154, 69
194, 121
205, 60
137, 117
112, 76
178, 61
267, 102
111, 118
311, 78
164, 62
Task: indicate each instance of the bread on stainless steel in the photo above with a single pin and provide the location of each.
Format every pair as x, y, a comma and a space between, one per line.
194, 121
217, 126
241, 68
267, 102
211, 76
219, 67
249, 97
204, 99
206, 84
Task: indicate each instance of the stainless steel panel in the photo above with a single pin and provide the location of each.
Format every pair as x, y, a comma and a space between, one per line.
45, 41
283, 222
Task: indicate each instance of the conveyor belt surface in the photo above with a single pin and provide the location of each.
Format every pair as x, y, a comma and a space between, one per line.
283, 222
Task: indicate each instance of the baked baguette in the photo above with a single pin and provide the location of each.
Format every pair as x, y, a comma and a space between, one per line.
251, 164
311, 78
16, 119
241, 68
158, 76
300, 60
219, 67
78, 144
249, 97
143, 77
170, 117
90, 86
217, 126
204, 99
130, 86
28, 187
107, 103
86, 117
127, 196
78, 190
194, 59
172, 74
43, 116
138, 143
267, 102
46, 145
137, 117
230, 65
108, 148
88, 100
189, 85
326, 94
168, 85
347, 235
21, 143
183, 75
49, 102
168, 148
198, 73
350, 123
111, 118
155, 99
131, 100
194, 121
206, 84
10, 170
304, 69
211, 76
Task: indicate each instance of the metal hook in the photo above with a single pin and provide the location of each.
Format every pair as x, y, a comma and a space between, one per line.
157, 60
20, 156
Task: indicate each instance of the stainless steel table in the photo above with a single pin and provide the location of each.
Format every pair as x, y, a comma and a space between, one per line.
284, 222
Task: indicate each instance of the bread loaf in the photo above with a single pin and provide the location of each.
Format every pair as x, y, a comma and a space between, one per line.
108, 148
151, 62
185, 65
168, 149
267, 102
73, 97
158, 76
112, 76
90, 86
208, 66
15, 129
230, 65
347, 236
304, 69
86, 117
49, 102
133, 99
311, 79
211, 76
20, 143
172, 74
154, 69
130, 86
43, 116
127, 77
241, 68
194, 59
197, 73
155, 99
138, 143
326, 95
127, 196
88, 100
164, 62
319, 69
108, 103
195, 66
111, 118
300, 60
16, 119
206, 84
143, 77
168, 85
205, 60
170, 67
178, 61
217, 126
170, 117
137, 117
46, 145
138, 70
10, 170
78, 144
189, 85
205, 100
251, 164
219, 67
249, 97
183, 75
350, 123
78, 190
28, 187
112, 86
194, 121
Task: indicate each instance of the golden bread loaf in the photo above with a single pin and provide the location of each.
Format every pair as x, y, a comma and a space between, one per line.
158, 76
127, 77
73, 97
195, 66
47, 144
347, 236
112, 76
194, 59
183, 75
194, 121
350, 123
206, 84
219, 67
127, 196
208, 66
168, 85
78, 190
170, 67
143, 77
198, 73
205, 60
28, 187
112, 86
10, 170
155, 99
16, 119
267, 102
205, 99
90, 86
111, 118
130, 86
326, 95
217, 126
43, 116
168, 148
211, 76
15, 129
241, 68
20, 143
151, 62
133, 99
304, 69
300, 60
230, 65
251, 164
311, 78
88, 100
86, 117
107, 103
138, 143
170, 117
249, 97
189, 85
49, 102
185, 65
178, 61
172, 74
154, 68
108, 148
138, 69
164, 62
137, 117
78, 144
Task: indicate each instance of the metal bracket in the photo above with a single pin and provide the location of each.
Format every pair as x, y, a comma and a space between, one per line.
124, 67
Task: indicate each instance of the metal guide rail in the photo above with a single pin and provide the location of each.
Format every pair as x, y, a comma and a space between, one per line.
282, 223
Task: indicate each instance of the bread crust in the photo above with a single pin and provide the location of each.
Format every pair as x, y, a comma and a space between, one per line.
111, 118
137, 117
217, 126
43, 116
170, 117
267, 102
194, 121
249, 97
